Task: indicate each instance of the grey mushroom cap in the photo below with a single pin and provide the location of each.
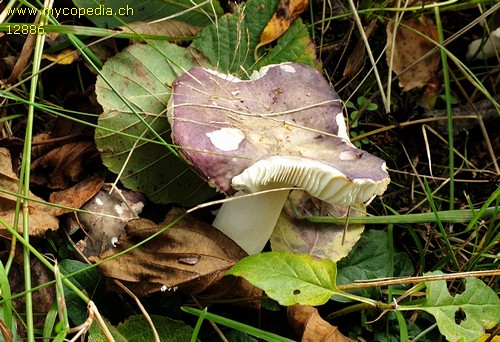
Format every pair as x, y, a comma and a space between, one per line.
282, 128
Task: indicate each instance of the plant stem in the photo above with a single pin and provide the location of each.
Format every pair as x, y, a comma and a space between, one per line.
447, 91
448, 216
25, 179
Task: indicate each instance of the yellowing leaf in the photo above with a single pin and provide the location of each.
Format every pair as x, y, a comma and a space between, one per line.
286, 12
406, 49
326, 241
66, 56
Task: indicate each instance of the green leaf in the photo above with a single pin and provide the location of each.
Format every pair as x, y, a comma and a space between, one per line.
349, 104
479, 303
361, 101
290, 278
137, 329
103, 13
230, 45
369, 259
143, 76
87, 279
295, 45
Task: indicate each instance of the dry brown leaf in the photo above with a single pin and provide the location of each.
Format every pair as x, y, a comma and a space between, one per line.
189, 256
286, 12
60, 166
167, 28
41, 216
410, 45
77, 195
307, 323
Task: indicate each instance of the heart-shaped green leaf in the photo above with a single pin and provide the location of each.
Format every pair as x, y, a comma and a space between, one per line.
230, 45
142, 75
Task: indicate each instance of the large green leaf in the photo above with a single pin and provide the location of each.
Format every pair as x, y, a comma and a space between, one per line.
143, 75
369, 259
104, 13
230, 45
87, 279
290, 278
478, 303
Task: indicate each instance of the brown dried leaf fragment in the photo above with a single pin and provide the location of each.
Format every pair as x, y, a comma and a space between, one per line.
189, 256
77, 195
177, 30
412, 42
59, 166
41, 216
307, 323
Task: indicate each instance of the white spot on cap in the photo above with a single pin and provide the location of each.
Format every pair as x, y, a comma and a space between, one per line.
163, 288
99, 201
342, 133
119, 209
350, 155
287, 68
226, 139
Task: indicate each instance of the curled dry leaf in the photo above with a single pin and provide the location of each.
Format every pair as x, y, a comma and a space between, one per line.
60, 166
77, 195
189, 256
307, 323
41, 216
325, 241
286, 12
411, 43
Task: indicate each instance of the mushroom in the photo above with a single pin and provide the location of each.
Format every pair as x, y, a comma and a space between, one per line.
282, 128
484, 49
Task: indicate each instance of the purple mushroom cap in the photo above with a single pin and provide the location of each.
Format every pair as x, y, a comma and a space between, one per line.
283, 127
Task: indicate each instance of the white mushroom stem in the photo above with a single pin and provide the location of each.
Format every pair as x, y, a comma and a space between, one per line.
249, 221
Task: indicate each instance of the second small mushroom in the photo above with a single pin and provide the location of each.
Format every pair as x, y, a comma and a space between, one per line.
282, 128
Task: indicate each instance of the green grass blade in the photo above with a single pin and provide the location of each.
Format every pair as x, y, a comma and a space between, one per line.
6, 295
403, 329
447, 243
447, 90
266, 336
